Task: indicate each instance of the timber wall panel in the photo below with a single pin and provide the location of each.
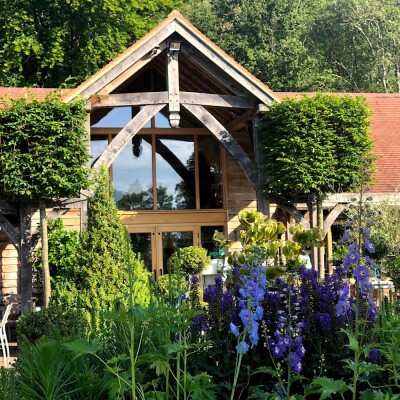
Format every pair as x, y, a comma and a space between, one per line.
71, 218
241, 195
8, 265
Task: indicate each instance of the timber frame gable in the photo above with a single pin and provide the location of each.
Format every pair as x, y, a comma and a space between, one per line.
201, 81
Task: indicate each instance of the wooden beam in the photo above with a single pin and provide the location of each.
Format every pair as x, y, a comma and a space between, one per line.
236, 74
237, 123
218, 100
226, 139
10, 231
120, 67
132, 70
331, 218
126, 134
296, 214
128, 99
221, 76
202, 99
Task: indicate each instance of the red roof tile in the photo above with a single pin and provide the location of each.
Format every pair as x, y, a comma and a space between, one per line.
385, 131
16, 93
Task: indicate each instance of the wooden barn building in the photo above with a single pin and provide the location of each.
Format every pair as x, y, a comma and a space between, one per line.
174, 118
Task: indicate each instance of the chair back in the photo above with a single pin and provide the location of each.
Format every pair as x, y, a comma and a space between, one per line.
6, 314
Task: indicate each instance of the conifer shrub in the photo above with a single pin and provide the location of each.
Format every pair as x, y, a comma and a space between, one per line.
106, 254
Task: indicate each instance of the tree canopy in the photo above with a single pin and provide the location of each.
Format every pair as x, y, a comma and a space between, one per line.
308, 45
52, 43
43, 149
316, 145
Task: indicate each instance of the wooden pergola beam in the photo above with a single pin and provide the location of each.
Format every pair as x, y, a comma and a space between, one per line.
201, 99
296, 214
10, 231
126, 134
332, 216
226, 139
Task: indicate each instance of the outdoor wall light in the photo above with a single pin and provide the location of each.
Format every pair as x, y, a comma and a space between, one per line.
175, 46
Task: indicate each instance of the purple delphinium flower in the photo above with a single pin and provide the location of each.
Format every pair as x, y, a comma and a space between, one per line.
364, 287
369, 246
352, 257
366, 232
234, 329
342, 307
242, 347
246, 317
346, 237
361, 273
368, 261
373, 355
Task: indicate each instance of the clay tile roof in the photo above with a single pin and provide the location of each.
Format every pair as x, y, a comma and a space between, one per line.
385, 130
16, 93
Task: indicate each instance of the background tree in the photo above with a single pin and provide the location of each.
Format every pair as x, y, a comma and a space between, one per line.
43, 154
316, 145
49, 43
270, 38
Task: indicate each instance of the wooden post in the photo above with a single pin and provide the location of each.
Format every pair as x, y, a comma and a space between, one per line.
25, 255
45, 254
329, 250
313, 223
173, 88
262, 199
321, 250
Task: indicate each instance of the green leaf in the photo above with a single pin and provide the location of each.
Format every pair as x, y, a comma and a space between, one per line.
82, 347
326, 387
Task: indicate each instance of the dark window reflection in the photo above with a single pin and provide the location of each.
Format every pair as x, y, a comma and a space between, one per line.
207, 242
141, 244
172, 241
210, 173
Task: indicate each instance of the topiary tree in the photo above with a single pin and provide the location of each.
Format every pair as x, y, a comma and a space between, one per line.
43, 153
106, 253
314, 146
189, 260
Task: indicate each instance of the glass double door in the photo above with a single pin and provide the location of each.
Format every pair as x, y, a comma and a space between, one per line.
156, 244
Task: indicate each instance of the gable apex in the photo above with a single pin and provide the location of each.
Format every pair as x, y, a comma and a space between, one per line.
141, 52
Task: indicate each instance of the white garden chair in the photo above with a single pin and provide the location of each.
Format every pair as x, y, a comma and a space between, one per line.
3, 335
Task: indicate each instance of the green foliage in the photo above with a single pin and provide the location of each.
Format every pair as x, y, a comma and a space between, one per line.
64, 248
43, 149
316, 145
171, 285
53, 322
49, 43
289, 44
261, 240
189, 260
106, 253
45, 371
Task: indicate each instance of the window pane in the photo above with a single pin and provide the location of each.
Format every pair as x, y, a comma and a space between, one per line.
141, 244
117, 118
207, 242
210, 173
175, 172
132, 176
172, 241
97, 146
